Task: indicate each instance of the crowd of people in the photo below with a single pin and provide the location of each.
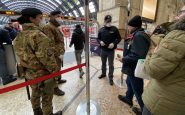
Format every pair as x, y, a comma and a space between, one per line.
40, 48
164, 63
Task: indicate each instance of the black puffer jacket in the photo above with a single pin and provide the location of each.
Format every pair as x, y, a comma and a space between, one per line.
135, 48
78, 39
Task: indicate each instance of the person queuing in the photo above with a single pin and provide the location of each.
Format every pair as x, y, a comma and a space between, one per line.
165, 94
108, 38
38, 57
135, 47
12, 30
57, 41
5, 38
78, 39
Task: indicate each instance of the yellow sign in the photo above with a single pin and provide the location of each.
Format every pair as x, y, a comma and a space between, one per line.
9, 13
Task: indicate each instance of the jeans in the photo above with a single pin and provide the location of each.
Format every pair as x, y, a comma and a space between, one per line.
110, 56
146, 111
3, 66
135, 87
78, 54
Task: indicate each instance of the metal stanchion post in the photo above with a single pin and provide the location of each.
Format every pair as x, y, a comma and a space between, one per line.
88, 107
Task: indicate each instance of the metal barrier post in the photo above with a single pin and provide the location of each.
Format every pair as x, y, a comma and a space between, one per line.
88, 107
87, 56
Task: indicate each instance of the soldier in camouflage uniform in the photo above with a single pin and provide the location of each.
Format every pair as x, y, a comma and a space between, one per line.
57, 41
37, 56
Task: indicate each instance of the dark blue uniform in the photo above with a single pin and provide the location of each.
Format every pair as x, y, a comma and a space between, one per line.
108, 35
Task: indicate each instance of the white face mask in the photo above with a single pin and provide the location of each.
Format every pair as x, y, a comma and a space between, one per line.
59, 20
108, 24
43, 22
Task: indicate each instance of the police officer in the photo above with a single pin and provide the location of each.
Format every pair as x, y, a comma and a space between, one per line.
57, 41
37, 56
108, 37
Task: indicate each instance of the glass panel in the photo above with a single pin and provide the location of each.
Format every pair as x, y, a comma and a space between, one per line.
59, 1
70, 5
3, 1
25, 4
51, 5
82, 10
75, 12
70, 14
30, 3
76, 2
92, 7
51, 1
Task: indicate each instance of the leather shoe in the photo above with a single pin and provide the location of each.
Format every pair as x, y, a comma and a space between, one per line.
137, 111
111, 82
62, 81
125, 100
58, 92
102, 76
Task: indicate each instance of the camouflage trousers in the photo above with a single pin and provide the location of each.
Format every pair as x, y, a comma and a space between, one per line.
37, 95
59, 63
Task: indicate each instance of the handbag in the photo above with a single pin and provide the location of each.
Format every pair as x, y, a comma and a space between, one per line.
140, 71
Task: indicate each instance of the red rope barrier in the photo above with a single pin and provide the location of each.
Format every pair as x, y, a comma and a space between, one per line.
39, 79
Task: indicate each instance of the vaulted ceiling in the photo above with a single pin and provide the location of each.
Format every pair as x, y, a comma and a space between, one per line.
73, 8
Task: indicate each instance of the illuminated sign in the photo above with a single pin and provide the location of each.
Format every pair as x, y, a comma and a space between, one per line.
9, 13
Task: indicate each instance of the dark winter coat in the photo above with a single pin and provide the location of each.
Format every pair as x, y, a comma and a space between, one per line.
4, 37
165, 93
135, 48
78, 39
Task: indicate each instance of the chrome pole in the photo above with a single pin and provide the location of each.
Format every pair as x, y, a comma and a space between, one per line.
87, 56
89, 106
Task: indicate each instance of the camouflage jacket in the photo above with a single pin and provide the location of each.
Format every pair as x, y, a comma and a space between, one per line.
33, 48
56, 38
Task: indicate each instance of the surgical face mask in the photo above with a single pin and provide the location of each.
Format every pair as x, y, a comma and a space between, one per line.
59, 20
43, 22
108, 24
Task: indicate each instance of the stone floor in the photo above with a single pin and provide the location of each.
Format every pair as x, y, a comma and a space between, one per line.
16, 102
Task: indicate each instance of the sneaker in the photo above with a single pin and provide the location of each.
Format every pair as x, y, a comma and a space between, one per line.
111, 82
58, 92
137, 111
102, 76
123, 99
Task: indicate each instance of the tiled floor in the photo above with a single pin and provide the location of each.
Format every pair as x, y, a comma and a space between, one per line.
16, 102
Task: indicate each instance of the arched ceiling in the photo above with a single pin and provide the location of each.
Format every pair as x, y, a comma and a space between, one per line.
67, 7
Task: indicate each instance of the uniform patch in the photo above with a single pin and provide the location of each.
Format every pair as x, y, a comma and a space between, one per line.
111, 32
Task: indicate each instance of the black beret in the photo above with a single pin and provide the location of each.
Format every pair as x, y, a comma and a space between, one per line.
53, 13
30, 12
